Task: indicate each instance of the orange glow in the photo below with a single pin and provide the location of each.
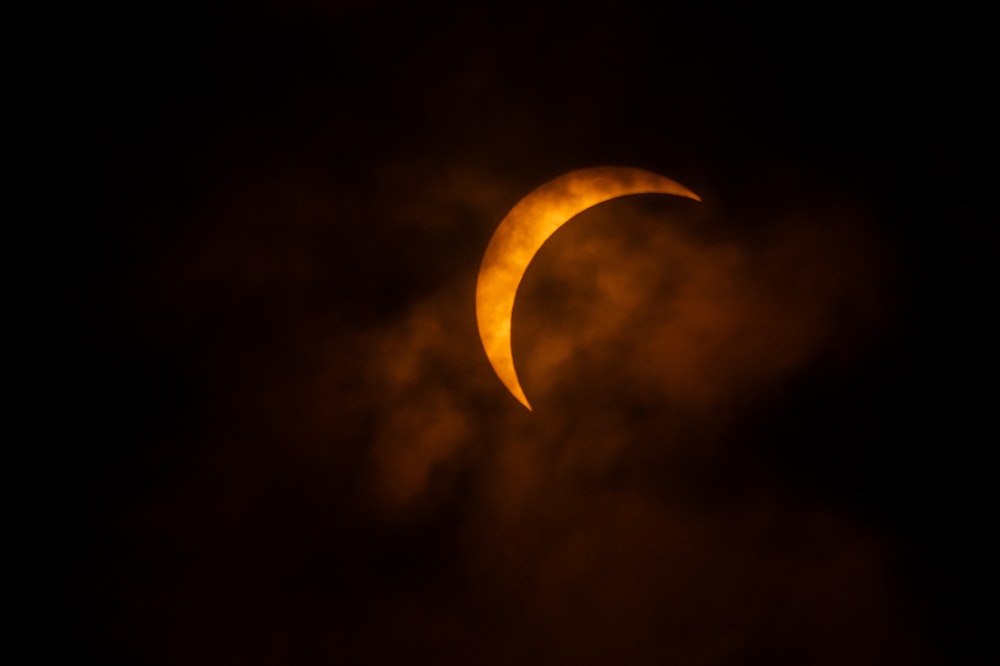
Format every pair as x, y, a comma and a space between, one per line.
525, 229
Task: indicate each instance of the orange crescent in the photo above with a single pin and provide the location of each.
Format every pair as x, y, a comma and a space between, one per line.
525, 229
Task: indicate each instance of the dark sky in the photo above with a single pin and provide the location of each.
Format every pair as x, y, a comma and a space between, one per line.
761, 422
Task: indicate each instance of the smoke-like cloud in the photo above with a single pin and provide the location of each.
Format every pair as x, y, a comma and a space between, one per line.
356, 485
622, 518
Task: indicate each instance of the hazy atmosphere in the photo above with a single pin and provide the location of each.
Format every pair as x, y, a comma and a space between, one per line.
759, 425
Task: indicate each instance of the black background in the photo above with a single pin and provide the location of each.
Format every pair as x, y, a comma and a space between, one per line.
751, 106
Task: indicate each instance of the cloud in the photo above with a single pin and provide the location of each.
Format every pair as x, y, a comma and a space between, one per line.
618, 519
377, 472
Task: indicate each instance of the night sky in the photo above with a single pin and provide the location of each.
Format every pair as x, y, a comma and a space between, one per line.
761, 422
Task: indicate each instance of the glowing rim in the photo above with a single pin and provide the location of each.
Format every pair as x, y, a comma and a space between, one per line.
525, 229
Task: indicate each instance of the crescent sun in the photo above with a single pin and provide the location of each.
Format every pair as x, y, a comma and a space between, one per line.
525, 229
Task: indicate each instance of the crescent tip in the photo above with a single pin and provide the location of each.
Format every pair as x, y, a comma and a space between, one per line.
521, 398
